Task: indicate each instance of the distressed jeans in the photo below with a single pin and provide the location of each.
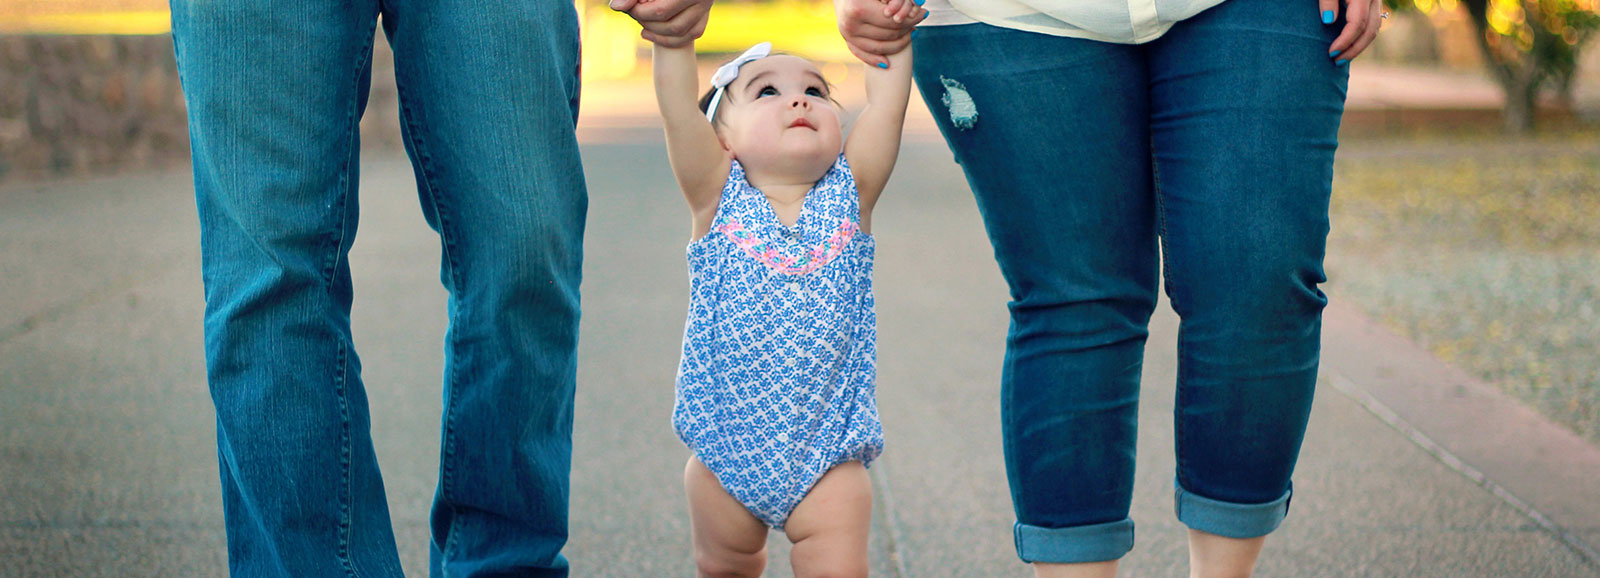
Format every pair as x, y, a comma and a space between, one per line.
488, 95
1211, 147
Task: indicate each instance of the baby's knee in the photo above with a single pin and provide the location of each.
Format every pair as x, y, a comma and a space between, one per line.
729, 564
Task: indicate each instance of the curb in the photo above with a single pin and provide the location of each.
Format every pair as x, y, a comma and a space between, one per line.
1540, 468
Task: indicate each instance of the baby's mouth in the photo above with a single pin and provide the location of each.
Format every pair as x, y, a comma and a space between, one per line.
801, 122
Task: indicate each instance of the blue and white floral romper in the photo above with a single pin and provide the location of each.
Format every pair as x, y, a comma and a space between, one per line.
779, 352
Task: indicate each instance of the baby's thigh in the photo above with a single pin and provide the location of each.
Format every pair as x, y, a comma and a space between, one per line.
829, 527
728, 539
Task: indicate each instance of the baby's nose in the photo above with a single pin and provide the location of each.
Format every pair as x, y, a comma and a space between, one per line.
800, 103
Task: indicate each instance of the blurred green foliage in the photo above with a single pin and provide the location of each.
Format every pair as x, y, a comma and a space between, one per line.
1528, 45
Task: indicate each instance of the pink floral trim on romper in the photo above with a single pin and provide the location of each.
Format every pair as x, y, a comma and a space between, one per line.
762, 250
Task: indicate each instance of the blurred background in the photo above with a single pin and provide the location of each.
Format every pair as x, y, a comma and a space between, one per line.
1466, 207
90, 86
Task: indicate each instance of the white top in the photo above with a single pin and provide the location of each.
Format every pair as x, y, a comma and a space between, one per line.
1119, 21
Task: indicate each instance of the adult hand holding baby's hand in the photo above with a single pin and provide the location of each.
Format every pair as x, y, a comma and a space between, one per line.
875, 29
670, 23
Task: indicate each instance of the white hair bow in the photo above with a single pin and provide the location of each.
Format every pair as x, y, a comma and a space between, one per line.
727, 72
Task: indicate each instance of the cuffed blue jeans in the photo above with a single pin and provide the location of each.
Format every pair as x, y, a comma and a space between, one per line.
488, 96
1212, 147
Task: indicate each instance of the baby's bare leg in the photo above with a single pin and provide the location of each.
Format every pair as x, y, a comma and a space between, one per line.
729, 542
829, 527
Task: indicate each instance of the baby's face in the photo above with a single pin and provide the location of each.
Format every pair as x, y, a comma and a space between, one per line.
781, 116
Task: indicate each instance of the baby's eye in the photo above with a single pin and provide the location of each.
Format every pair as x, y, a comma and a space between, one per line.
814, 91
767, 91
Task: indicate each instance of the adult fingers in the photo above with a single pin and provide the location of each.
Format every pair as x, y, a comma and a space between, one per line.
622, 5
676, 40
1330, 10
869, 33
868, 57
666, 41
866, 19
891, 31
1374, 24
862, 31
873, 52
1355, 18
685, 20
661, 12
865, 32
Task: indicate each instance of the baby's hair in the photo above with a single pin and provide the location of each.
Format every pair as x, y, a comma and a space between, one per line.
705, 99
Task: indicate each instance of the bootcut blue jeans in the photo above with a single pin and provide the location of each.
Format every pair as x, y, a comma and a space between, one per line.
1211, 147
488, 96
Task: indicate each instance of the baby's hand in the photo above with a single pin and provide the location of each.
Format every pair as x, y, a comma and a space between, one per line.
902, 10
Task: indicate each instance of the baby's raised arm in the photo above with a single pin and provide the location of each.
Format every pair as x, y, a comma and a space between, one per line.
874, 142
698, 160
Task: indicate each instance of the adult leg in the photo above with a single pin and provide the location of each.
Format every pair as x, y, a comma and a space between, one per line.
275, 91
488, 97
1214, 556
829, 527
729, 542
1245, 109
1056, 150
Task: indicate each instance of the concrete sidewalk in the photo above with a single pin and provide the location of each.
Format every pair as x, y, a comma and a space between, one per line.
107, 462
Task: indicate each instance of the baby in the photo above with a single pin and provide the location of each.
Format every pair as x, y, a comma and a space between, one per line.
775, 390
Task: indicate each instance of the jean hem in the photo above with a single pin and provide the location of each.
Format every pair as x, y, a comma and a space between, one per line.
1230, 519
1076, 544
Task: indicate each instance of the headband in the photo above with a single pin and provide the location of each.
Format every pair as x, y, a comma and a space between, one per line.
727, 72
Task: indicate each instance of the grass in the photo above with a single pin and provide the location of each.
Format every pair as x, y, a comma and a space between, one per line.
1485, 249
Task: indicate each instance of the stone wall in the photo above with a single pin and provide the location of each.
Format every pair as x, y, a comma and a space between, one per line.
79, 104
83, 105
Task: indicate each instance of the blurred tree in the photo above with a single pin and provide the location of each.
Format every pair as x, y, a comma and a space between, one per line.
1527, 45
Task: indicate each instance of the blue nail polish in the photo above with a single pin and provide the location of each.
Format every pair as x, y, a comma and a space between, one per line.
1327, 17
883, 65
920, 2
1334, 53
1341, 63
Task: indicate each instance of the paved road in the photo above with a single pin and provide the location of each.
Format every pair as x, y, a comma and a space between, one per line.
107, 461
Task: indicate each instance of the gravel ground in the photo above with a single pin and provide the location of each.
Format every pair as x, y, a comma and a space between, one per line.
1483, 248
